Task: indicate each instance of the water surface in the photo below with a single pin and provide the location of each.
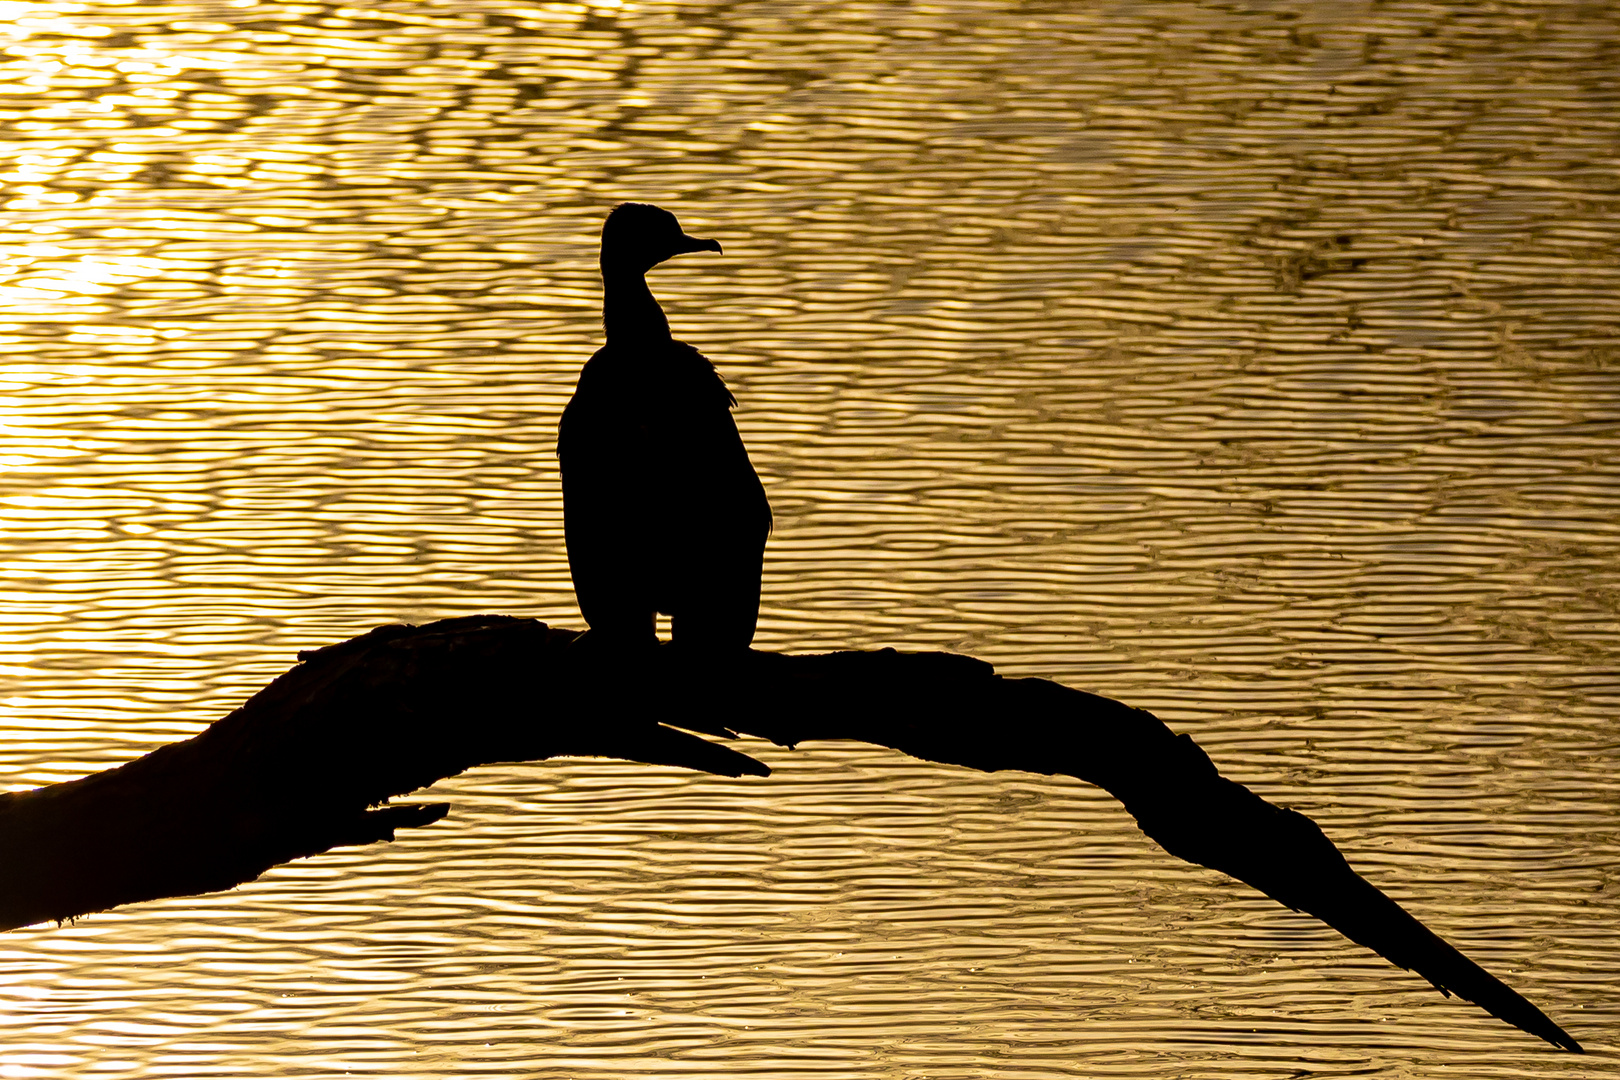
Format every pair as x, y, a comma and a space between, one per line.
1257, 364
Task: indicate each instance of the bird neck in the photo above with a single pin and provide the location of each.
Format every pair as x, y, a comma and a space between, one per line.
629, 312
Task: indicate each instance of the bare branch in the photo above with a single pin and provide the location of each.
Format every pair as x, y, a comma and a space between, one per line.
308, 762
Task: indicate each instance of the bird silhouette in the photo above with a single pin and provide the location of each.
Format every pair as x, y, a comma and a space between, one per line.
662, 510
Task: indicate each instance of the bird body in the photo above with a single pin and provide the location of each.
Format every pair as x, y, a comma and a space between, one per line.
662, 509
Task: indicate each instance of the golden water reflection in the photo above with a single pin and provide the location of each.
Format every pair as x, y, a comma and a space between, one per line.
1254, 365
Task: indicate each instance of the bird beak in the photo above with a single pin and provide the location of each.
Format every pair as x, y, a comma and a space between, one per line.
692, 243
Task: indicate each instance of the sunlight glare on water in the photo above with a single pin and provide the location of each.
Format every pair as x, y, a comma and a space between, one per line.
1256, 364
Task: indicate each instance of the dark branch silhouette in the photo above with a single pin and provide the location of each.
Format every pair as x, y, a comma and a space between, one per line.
662, 509
308, 762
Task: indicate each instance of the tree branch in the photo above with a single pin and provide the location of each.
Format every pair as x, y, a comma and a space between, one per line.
308, 762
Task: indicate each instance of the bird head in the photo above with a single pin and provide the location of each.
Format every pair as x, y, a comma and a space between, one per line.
638, 236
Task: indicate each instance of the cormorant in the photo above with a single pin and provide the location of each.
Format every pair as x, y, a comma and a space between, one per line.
662, 509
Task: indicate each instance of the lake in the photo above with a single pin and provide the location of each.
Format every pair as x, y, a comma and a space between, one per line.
1254, 363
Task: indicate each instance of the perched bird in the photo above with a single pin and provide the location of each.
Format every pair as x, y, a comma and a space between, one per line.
662, 509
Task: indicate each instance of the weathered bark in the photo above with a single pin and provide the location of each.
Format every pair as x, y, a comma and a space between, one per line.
308, 762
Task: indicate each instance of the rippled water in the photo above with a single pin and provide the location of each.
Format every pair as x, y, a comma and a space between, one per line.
1256, 363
